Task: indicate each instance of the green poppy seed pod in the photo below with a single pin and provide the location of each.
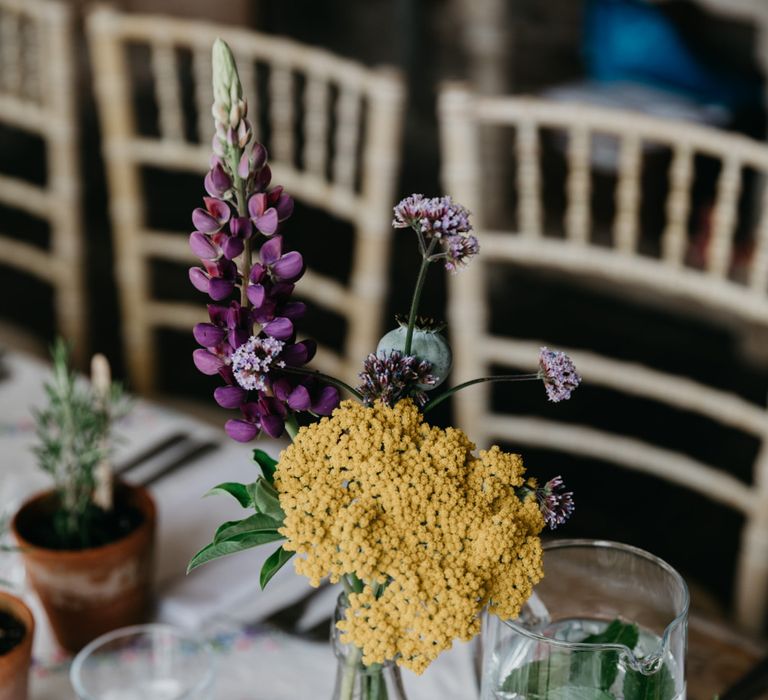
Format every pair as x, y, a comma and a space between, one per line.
426, 344
226, 82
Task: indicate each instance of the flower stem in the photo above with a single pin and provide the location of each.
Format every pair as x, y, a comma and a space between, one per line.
291, 426
245, 265
498, 378
425, 261
325, 378
370, 678
351, 668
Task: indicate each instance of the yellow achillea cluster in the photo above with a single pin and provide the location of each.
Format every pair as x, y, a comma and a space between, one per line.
377, 492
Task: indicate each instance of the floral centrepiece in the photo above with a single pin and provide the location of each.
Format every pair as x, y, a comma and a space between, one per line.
422, 531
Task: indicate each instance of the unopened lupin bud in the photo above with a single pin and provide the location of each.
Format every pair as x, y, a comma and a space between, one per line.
226, 81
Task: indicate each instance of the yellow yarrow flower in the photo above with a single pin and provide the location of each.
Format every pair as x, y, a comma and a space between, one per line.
378, 492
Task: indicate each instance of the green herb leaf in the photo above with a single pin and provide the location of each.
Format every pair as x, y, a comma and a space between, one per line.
238, 543
594, 669
265, 499
580, 670
273, 564
238, 491
266, 463
657, 686
607, 663
575, 692
252, 524
617, 632
535, 679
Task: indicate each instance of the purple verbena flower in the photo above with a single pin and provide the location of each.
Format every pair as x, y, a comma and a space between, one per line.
459, 250
436, 217
559, 374
391, 376
252, 361
408, 212
443, 228
555, 502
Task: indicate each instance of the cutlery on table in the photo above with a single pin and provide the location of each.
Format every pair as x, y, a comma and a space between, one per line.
164, 457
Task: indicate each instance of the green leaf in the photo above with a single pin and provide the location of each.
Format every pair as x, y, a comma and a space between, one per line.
273, 564
605, 663
266, 463
574, 692
657, 686
238, 491
238, 543
265, 499
617, 632
253, 523
594, 669
580, 669
538, 677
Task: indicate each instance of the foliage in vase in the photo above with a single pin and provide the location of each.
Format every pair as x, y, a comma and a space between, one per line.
73, 440
423, 531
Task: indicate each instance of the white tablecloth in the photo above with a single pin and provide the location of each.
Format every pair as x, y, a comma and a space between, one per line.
221, 599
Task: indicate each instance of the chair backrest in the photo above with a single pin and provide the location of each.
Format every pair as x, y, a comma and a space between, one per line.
332, 128
38, 96
462, 118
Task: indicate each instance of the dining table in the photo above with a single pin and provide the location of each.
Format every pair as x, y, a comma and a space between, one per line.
270, 644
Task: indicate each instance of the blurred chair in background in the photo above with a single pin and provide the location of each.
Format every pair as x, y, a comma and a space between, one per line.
332, 128
37, 99
619, 265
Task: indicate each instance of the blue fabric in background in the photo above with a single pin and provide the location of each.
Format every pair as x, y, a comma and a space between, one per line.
630, 40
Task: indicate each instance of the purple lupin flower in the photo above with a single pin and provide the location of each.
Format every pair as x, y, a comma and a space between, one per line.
217, 182
250, 341
391, 376
213, 217
282, 267
263, 216
217, 280
558, 373
555, 502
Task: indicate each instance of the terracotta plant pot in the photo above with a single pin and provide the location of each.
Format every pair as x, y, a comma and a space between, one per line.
89, 592
14, 666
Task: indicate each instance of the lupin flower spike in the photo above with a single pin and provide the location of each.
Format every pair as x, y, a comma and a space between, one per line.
250, 342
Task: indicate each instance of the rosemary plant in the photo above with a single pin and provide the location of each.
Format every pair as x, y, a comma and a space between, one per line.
73, 433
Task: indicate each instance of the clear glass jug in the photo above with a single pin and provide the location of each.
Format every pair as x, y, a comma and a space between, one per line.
607, 622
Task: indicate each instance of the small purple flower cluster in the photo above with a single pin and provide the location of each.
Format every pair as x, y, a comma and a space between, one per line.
250, 341
439, 219
558, 373
391, 376
555, 502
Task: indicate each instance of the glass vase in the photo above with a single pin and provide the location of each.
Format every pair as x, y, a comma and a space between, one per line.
607, 622
354, 680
